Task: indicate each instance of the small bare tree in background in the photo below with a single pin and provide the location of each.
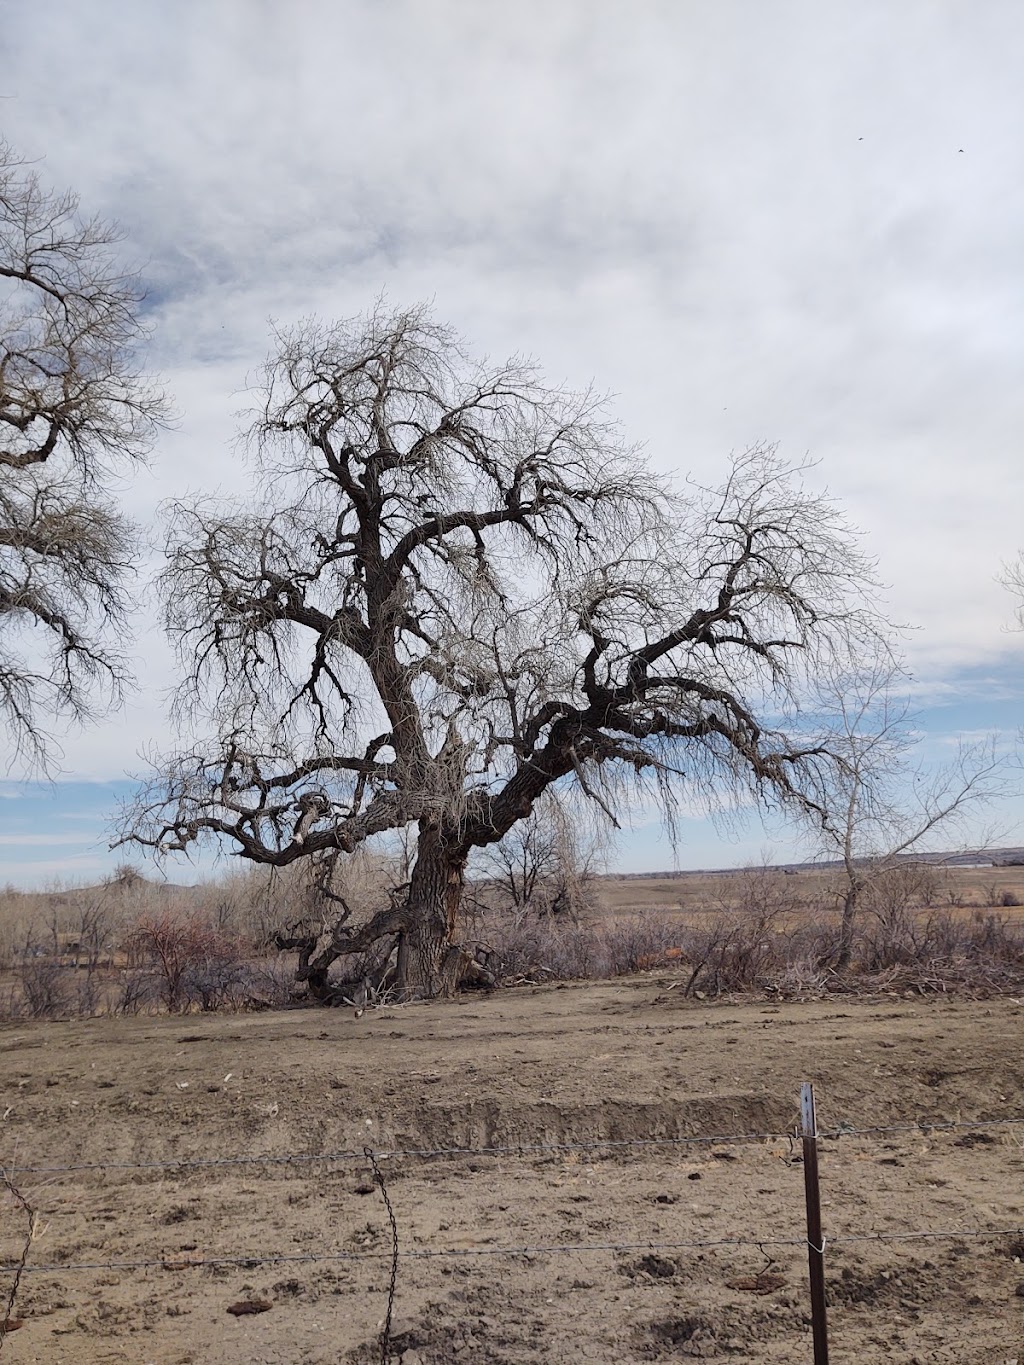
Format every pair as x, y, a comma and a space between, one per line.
74, 408
455, 588
879, 809
1012, 579
546, 864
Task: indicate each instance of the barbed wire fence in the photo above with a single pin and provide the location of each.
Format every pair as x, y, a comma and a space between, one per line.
816, 1245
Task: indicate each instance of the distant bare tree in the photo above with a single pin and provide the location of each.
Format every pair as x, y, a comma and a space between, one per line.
74, 407
521, 863
880, 809
1012, 579
545, 863
456, 587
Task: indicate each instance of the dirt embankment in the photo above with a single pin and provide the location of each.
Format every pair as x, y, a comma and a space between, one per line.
624, 1061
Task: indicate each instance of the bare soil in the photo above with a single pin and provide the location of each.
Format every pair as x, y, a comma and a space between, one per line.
620, 1061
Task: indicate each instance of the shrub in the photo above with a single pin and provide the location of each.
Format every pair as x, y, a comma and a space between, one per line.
135, 992
517, 949
189, 959
43, 983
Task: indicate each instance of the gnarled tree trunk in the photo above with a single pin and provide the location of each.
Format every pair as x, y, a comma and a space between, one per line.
424, 921
430, 963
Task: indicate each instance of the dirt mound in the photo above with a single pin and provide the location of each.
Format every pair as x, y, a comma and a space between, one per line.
485, 1326
519, 1121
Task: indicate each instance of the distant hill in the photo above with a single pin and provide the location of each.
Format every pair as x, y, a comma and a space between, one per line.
993, 857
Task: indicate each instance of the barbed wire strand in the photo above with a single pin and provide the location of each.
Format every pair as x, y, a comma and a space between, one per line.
539, 1249
924, 1129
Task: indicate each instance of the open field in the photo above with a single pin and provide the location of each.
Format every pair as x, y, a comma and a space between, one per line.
625, 1060
133, 946
684, 892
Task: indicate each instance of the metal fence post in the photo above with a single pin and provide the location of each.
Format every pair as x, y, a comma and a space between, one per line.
815, 1241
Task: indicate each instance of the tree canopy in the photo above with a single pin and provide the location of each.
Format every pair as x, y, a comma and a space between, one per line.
455, 587
74, 408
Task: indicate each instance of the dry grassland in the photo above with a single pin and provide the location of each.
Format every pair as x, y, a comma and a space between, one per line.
963, 888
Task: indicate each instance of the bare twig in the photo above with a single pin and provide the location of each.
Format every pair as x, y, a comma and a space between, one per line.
31, 1229
385, 1336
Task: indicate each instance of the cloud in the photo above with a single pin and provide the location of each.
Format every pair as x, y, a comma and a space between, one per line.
48, 840
1003, 740
40, 873
748, 222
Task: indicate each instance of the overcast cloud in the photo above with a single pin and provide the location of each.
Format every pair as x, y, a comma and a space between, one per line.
752, 221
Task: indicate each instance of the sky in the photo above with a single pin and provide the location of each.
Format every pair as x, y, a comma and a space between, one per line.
752, 221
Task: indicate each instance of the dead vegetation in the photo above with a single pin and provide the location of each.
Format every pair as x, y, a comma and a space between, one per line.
134, 947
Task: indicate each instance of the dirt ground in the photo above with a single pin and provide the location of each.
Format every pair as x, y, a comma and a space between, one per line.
620, 1061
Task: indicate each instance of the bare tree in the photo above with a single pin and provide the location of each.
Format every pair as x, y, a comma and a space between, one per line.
546, 862
74, 407
457, 587
880, 809
1012, 579
521, 863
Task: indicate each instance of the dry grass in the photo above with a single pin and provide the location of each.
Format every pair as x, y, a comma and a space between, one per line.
682, 893
133, 946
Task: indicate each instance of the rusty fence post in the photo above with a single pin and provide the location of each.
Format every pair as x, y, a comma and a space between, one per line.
815, 1241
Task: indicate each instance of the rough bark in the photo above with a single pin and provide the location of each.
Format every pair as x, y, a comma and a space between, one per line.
424, 923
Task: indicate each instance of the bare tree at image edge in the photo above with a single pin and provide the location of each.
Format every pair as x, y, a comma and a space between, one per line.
74, 409
456, 588
879, 810
1012, 579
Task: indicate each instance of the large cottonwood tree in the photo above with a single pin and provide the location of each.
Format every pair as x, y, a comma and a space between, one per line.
75, 410
455, 587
